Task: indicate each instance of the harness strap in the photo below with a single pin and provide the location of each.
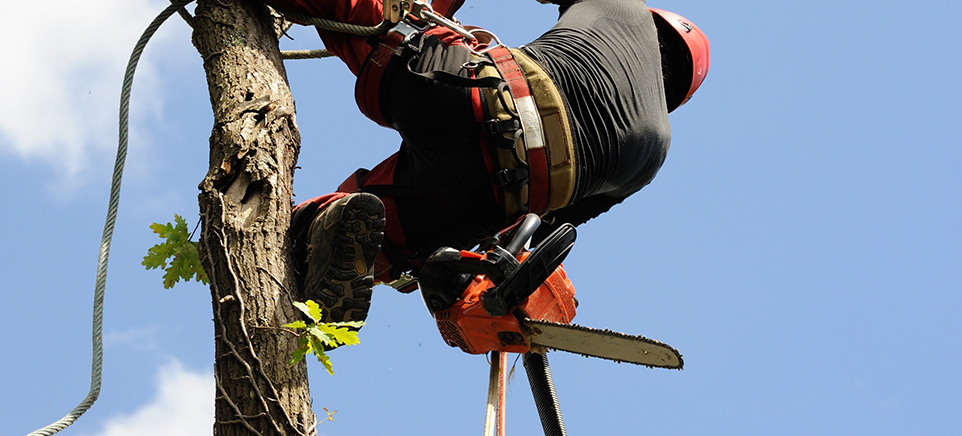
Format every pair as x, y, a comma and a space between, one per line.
530, 125
449, 78
556, 128
510, 77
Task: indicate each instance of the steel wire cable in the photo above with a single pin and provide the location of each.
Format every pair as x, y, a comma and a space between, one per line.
96, 372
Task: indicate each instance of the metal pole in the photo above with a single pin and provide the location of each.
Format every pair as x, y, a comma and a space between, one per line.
545, 397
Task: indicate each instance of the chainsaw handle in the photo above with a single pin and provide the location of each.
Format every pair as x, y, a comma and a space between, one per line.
523, 234
531, 274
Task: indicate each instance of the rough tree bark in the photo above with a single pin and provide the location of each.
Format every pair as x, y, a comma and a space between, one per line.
245, 204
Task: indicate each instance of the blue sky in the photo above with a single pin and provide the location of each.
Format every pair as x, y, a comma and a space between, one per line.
801, 246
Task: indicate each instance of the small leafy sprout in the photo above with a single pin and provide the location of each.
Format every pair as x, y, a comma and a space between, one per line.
330, 415
318, 336
185, 262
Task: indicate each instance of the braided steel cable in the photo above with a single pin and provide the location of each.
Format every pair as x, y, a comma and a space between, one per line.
176, 6
113, 204
337, 26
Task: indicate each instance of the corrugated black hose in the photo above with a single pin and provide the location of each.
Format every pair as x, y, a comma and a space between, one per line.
545, 397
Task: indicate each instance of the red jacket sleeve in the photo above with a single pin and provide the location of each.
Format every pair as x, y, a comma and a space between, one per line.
349, 48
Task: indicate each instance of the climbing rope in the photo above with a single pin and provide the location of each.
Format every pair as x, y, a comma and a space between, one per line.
98, 311
337, 26
305, 54
176, 6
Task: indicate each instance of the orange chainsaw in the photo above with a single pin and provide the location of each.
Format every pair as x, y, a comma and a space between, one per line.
514, 300
502, 299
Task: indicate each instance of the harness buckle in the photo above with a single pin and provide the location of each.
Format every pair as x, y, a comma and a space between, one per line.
510, 176
495, 126
408, 31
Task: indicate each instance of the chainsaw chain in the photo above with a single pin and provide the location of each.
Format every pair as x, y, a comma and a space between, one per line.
681, 363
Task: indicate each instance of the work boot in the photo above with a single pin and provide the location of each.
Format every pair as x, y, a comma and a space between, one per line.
345, 236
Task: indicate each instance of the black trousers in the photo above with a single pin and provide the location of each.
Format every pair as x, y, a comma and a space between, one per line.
604, 57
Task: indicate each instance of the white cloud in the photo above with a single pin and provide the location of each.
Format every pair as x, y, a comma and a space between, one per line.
183, 406
63, 67
141, 339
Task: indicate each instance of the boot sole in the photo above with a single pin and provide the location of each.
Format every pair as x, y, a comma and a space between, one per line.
346, 287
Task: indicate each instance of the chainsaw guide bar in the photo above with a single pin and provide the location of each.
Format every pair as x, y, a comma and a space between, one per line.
604, 344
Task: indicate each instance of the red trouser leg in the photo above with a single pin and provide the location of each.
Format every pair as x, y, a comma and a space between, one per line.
386, 266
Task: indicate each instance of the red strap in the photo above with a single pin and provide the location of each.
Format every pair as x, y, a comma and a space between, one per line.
538, 186
537, 159
368, 85
510, 71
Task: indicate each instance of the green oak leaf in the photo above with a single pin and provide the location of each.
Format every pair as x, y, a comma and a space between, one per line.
340, 335
177, 255
315, 336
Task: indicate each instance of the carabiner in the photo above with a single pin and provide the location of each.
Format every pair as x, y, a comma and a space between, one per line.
425, 12
489, 47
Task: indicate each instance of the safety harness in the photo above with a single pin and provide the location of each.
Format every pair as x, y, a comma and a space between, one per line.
523, 116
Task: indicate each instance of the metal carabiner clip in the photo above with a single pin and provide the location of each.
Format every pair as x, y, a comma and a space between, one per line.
424, 11
491, 40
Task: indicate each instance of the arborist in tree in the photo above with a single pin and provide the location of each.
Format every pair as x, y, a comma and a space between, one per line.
566, 127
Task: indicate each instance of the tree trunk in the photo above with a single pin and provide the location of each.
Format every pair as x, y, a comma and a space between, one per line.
245, 205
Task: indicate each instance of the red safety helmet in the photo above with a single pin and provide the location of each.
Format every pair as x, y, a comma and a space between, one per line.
684, 70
